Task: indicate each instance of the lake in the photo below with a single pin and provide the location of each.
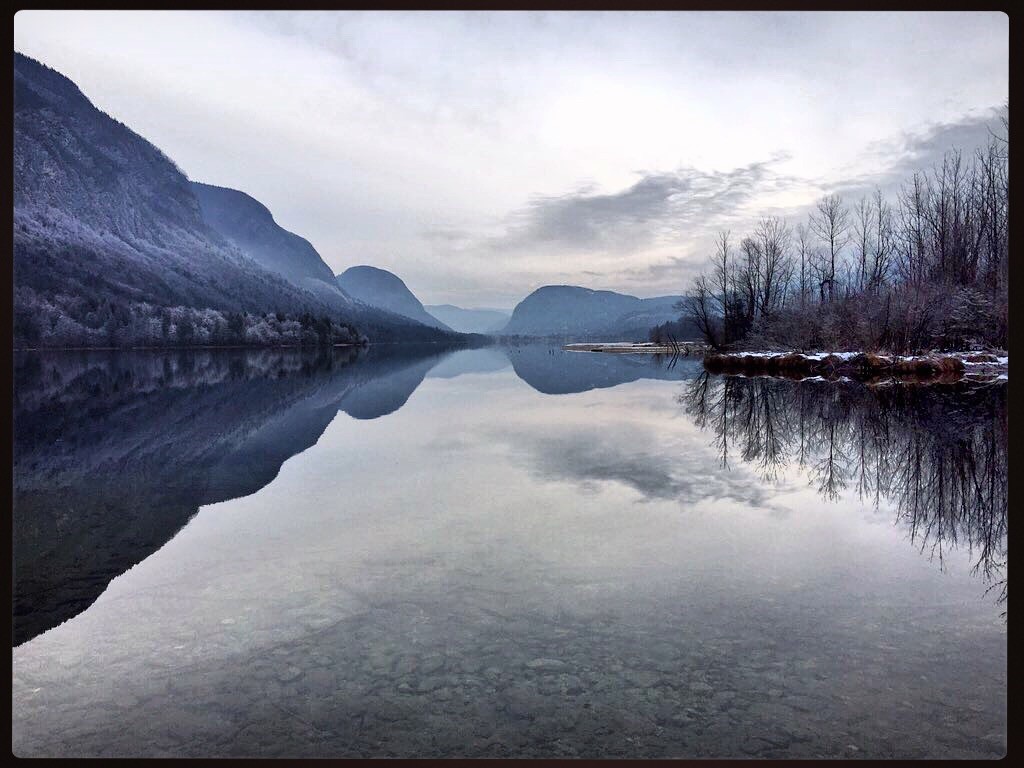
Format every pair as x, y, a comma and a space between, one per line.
506, 551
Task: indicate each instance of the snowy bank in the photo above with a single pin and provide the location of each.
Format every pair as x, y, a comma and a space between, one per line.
863, 365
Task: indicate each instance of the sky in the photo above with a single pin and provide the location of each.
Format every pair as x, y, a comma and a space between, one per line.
481, 155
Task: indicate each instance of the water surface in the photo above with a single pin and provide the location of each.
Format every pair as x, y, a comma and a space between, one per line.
502, 552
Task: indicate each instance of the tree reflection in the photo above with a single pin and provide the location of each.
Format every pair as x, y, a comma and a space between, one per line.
938, 453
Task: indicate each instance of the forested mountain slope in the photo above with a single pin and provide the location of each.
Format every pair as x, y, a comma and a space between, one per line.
111, 246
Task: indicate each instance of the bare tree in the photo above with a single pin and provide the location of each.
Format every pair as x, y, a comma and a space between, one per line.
805, 253
863, 232
831, 223
721, 280
698, 307
884, 241
748, 277
927, 269
774, 239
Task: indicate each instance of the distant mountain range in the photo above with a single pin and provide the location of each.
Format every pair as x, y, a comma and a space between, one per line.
569, 311
470, 320
114, 246
553, 311
388, 291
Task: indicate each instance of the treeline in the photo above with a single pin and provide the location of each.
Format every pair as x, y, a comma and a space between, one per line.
927, 270
682, 329
75, 321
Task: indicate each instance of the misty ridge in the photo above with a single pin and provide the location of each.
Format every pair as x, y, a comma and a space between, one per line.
483, 320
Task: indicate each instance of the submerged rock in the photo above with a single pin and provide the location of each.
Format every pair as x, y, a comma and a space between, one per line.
545, 664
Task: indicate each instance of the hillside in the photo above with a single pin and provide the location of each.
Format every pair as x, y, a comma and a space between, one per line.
384, 290
569, 311
113, 248
247, 224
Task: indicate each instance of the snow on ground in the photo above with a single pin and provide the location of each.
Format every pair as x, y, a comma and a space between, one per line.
977, 370
1002, 361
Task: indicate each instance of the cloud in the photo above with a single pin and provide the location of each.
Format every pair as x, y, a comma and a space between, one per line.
894, 160
362, 130
659, 207
448, 236
659, 230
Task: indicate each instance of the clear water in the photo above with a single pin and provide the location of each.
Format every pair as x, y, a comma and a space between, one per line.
501, 552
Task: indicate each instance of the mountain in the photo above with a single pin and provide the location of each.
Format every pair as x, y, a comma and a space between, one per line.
247, 224
581, 313
112, 246
469, 320
382, 289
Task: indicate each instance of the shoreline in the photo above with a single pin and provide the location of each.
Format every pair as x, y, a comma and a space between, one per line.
252, 347
684, 348
866, 367
971, 365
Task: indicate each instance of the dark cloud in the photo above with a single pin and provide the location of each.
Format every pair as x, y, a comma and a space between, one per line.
902, 155
671, 266
894, 160
685, 207
660, 206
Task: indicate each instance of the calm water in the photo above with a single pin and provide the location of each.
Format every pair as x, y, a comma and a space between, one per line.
500, 552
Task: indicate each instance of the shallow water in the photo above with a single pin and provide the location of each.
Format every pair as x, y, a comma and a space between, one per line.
501, 552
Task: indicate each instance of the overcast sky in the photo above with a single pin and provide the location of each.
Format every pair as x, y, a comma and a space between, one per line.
481, 155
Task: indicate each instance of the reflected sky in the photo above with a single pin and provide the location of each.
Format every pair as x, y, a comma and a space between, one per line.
432, 556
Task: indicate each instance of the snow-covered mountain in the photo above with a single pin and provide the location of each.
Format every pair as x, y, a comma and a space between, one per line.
111, 241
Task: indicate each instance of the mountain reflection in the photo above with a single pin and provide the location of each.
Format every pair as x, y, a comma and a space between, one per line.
115, 452
554, 371
937, 453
